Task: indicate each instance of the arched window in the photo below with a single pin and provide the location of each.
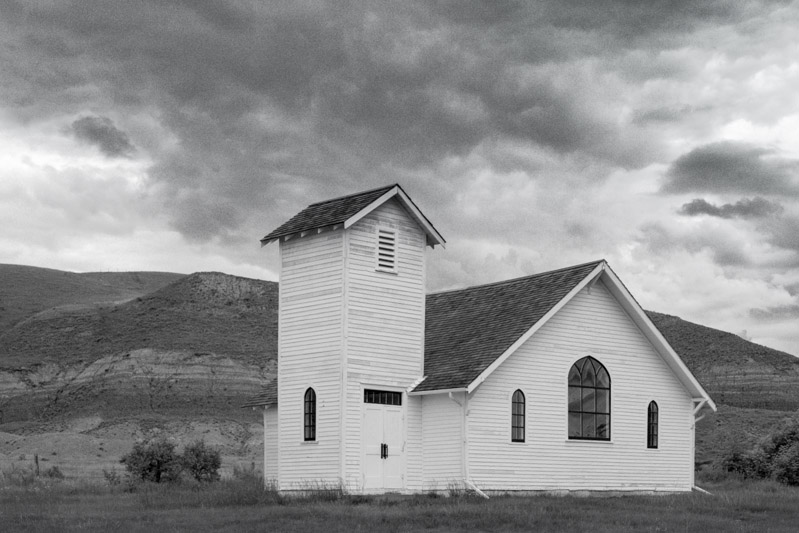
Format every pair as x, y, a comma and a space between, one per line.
310, 414
517, 417
589, 400
652, 425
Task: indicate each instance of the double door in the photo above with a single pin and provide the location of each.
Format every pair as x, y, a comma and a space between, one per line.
383, 447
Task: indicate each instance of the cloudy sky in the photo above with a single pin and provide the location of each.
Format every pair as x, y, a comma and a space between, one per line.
662, 136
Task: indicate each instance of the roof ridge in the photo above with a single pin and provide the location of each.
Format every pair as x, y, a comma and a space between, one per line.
520, 278
385, 187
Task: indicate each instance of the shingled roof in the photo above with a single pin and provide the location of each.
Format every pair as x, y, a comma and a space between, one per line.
467, 330
267, 396
345, 209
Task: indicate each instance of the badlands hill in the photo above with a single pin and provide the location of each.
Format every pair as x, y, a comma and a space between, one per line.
171, 354
91, 362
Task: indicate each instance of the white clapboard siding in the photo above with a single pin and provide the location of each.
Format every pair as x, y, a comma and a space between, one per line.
384, 329
592, 323
442, 441
270, 444
309, 355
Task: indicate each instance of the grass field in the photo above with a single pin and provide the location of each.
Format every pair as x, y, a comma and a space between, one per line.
242, 505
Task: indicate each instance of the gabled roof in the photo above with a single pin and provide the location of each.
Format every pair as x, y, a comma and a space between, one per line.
347, 210
471, 332
468, 330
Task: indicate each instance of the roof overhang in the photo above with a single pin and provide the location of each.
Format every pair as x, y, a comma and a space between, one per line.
433, 236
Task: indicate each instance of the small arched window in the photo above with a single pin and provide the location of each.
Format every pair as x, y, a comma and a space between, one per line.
652, 425
589, 400
310, 415
517, 417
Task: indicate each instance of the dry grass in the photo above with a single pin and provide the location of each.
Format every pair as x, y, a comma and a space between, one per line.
241, 504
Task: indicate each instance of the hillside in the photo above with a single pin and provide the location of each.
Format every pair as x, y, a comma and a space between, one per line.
26, 290
734, 371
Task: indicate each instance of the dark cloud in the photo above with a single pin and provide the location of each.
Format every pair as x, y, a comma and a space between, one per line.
746, 208
726, 167
779, 312
264, 101
661, 241
101, 132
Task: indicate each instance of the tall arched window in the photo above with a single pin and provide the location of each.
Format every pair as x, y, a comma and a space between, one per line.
589, 400
310, 414
652, 425
517, 417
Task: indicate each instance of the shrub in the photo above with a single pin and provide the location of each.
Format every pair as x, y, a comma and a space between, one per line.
775, 457
785, 468
201, 461
154, 461
54, 473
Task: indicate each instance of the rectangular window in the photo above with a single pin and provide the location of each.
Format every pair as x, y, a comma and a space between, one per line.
386, 249
382, 397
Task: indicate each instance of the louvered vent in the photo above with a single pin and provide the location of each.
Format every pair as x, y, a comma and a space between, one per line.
387, 250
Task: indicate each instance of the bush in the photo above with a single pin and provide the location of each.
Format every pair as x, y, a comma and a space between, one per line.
786, 464
154, 461
775, 457
202, 462
54, 473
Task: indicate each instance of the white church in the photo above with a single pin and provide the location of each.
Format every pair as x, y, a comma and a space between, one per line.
553, 382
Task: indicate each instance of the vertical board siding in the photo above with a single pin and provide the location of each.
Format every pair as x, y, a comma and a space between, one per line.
590, 324
384, 329
442, 441
309, 355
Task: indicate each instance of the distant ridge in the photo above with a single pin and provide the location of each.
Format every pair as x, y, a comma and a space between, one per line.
26, 290
206, 312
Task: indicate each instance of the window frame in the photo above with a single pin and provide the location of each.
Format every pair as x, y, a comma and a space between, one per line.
518, 421
598, 368
309, 415
652, 426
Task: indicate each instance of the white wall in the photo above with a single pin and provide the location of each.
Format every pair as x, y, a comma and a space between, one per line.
590, 324
442, 441
309, 355
270, 444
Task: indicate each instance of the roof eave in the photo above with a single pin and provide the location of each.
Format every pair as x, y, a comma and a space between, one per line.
433, 237
437, 391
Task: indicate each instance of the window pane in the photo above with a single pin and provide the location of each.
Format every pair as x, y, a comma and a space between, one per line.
602, 401
602, 378
589, 377
589, 425
603, 426
589, 404
574, 376
575, 427
574, 398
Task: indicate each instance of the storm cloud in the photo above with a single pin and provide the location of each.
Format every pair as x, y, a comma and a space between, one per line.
746, 208
732, 167
101, 132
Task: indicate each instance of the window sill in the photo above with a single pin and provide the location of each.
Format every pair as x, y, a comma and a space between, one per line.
387, 271
308, 442
589, 441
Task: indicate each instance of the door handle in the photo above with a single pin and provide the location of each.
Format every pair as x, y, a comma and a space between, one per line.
383, 450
